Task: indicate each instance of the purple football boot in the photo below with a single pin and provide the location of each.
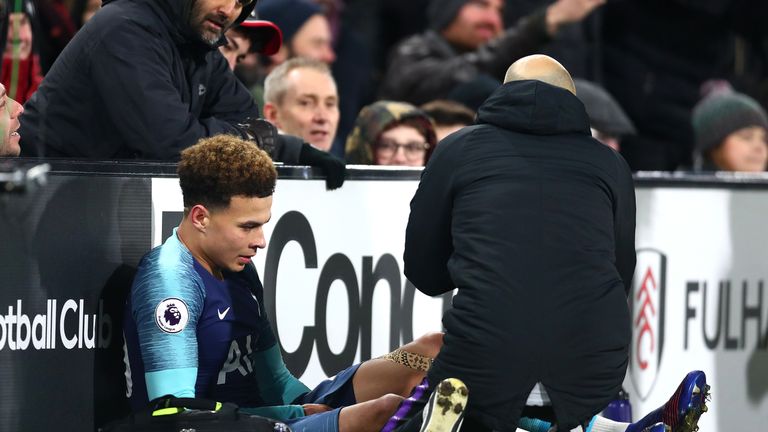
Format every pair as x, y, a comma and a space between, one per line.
682, 411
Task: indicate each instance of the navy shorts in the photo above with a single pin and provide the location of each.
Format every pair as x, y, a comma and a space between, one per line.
336, 392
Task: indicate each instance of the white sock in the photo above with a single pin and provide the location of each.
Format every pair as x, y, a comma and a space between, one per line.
602, 424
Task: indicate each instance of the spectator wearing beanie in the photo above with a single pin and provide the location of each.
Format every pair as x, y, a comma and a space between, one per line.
306, 31
467, 38
731, 132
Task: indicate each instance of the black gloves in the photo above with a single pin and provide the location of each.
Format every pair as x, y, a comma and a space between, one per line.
292, 150
262, 132
334, 168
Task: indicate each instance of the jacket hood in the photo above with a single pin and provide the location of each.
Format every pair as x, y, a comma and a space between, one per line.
177, 13
536, 108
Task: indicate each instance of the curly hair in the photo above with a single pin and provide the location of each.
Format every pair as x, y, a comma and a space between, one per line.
215, 169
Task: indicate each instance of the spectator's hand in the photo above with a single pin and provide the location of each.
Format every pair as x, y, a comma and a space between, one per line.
265, 135
310, 409
260, 131
568, 11
334, 168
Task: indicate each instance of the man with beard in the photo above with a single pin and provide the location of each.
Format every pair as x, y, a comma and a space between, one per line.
467, 41
143, 79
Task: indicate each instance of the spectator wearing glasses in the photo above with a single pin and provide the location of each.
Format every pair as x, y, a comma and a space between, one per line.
391, 133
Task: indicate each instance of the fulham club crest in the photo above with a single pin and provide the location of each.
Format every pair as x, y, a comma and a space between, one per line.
647, 307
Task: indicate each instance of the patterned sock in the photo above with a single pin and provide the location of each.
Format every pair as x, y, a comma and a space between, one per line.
533, 424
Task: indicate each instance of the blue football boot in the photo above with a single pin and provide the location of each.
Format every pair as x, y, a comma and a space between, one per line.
682, 411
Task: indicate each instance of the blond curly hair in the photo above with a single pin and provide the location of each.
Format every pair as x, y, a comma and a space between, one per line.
215, 169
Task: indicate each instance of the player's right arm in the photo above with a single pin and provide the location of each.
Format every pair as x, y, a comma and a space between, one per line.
167, 300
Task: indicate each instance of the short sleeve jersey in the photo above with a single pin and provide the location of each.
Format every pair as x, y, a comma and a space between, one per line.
190, 334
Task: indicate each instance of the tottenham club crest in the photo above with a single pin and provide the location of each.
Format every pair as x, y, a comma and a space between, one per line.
647, 306
171, 315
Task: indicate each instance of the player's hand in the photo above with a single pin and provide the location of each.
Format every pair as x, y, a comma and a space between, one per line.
310, 409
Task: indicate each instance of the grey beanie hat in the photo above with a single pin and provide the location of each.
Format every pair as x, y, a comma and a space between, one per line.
605, 113
440, 13
718, 115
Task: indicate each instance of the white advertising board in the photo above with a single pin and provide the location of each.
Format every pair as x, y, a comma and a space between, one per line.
324, 248
699, 302
333, 265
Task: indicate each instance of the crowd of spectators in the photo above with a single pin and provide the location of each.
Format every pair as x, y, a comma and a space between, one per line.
642, 66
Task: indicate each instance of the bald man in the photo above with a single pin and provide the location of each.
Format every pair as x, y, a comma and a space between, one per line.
533, 221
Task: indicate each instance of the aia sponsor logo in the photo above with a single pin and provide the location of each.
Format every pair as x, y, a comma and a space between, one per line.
647, 306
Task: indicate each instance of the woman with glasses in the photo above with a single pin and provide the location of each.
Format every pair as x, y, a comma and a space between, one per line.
391, 133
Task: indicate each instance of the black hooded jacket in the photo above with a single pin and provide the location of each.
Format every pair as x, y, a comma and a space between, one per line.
534, 222
134, 83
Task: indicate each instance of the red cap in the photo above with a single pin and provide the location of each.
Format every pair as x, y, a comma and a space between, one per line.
266, 37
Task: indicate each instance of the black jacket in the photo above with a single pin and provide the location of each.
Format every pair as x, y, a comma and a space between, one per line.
534, 222
134, 83
426, 66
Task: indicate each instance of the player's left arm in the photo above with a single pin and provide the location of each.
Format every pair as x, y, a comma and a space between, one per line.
277, 385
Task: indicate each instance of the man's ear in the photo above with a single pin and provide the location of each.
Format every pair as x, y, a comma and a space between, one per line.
200, 217
270, 113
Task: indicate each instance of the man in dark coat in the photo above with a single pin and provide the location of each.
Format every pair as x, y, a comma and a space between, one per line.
142, 79
533, 221
467, 39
